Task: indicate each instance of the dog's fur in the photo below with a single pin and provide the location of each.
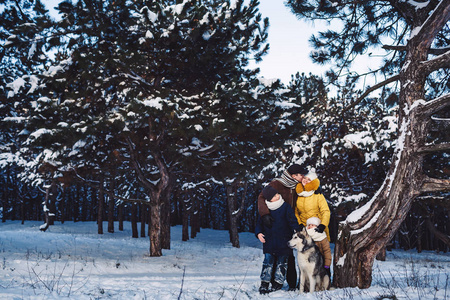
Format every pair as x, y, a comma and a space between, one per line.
310, 262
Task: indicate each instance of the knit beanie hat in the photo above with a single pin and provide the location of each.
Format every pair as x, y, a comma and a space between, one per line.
296, 169
311, 175
314, 221
269, 192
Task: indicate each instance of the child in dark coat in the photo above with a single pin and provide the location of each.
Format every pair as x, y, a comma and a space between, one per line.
275, 240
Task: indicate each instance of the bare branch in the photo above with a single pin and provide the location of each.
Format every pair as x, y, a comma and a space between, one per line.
434, 148
93, 185
402, 48
393, 47
370, 90
439, 62
137, 167
434, 184
440, 235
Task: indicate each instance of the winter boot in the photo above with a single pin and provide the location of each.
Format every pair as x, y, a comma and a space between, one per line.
264, 288
276, 286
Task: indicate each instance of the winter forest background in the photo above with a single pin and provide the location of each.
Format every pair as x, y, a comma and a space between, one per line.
146, 111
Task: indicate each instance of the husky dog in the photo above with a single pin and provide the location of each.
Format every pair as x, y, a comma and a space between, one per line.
310, 262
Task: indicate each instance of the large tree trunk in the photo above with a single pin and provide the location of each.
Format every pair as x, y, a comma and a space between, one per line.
143, 212
234, 211
186, 211
367, 230
157, 191
134, 227
101, 199
49, 214
155, 232
165, 214
111, 208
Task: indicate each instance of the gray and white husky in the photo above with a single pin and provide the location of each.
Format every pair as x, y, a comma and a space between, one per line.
310, 262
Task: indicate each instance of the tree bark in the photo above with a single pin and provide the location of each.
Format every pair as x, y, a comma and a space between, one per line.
134, 230
111, 209
143, 212
100, 210
49, 215
155, 233
185, 215
367, 230
234, 212
120, 216
156, 191
165, 211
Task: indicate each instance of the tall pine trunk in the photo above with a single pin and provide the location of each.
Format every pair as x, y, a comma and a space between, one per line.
100, 209
134, 227
143, 213
111, 208
234, 211
155, 230
368, 230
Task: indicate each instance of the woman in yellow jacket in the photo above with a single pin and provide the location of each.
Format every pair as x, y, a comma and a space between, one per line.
310, 204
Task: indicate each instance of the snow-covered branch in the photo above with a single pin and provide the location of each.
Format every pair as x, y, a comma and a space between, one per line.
433, 106
434, 23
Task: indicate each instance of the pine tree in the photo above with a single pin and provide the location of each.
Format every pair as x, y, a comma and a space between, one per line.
131, 94
417, 59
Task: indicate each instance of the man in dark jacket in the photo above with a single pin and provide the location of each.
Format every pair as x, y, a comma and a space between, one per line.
285, 185
275, 240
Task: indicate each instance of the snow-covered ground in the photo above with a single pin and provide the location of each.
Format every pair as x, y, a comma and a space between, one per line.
71, 261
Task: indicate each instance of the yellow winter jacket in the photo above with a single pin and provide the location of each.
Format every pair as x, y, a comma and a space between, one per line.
312, 206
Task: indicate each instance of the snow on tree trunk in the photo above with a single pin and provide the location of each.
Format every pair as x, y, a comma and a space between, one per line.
49, 208
367, 230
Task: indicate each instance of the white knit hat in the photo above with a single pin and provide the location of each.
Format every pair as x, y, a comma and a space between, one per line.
311, 175
314, 221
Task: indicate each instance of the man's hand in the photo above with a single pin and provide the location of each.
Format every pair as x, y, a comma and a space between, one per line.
261, 238
267, 220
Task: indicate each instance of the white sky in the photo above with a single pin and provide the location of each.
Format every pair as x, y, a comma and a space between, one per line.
289, 46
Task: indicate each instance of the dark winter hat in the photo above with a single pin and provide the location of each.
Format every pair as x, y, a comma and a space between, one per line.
269, 192
297, 169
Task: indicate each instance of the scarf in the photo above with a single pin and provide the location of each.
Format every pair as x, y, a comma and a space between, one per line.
275, 205
316, 236
287, 180
305, 194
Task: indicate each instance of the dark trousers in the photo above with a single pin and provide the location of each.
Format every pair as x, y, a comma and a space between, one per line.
274, 268
291, 274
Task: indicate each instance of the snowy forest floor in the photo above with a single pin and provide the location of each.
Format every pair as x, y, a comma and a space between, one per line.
71, 261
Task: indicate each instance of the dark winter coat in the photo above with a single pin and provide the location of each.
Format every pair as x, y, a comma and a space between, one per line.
281, 232
288, 195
